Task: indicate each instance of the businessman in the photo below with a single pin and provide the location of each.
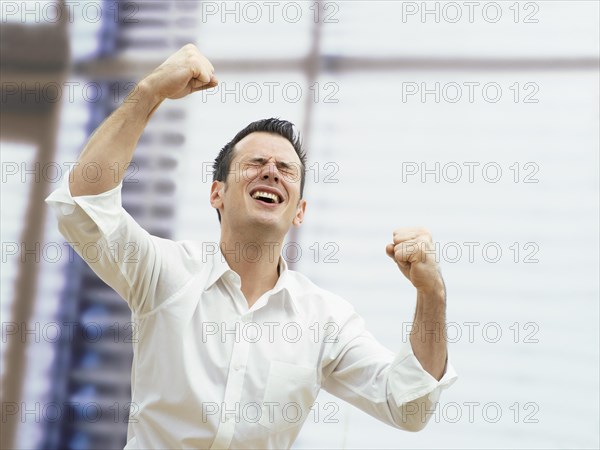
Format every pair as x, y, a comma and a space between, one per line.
233, 347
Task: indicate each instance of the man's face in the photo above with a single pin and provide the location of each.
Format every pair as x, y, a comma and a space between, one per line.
263, 185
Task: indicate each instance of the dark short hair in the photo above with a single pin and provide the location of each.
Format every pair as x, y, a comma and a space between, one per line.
222, 163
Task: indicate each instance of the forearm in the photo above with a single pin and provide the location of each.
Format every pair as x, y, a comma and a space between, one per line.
428, 339
102, 163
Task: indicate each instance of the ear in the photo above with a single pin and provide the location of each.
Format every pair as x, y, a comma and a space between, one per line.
216, 194
299, 213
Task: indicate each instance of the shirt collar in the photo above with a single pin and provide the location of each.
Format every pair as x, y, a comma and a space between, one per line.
284, 282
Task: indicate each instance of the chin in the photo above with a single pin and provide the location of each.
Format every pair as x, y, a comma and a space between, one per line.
267, 221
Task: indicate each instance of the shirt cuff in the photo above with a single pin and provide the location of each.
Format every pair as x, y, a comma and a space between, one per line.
409, 381
104, 209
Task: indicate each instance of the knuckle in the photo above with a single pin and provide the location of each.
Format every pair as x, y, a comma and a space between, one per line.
189, 60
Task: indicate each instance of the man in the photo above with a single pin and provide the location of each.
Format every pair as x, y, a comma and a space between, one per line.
232, 347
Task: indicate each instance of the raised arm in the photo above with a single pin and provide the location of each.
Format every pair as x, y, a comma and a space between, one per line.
90, 214
400, 389
414, 253
114, 141
393, 387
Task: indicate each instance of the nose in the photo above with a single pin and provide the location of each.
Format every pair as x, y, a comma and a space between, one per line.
269, 170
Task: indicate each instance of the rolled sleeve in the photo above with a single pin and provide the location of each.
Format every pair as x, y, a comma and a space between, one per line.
115, 246
415, 391
409, 381
103, 209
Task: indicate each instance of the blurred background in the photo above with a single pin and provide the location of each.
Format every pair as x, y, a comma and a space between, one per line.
477, 120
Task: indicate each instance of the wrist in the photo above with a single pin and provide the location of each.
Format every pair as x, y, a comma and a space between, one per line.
436, 289
147, 94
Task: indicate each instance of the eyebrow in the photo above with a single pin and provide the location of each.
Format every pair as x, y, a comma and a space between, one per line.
262, 160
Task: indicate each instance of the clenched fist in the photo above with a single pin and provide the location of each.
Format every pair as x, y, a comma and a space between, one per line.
184, 72
414, 252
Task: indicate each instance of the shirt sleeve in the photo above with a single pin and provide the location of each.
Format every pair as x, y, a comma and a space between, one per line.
393, 388
117, 248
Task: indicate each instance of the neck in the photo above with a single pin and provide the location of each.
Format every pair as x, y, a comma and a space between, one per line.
255, 259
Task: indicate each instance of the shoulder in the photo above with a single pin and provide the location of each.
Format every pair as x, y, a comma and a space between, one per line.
189, 253
312, 297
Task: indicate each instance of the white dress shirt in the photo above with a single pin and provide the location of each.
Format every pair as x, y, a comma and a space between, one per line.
209, 372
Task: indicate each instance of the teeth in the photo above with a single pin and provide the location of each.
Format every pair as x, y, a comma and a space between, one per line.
267, 195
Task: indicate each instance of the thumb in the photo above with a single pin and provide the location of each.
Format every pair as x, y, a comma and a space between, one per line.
213, 81
389, 249
201, 85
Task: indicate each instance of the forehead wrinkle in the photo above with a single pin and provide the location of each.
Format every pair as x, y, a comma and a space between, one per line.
258, 142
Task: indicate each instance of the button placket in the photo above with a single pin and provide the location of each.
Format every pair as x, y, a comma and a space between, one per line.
233, 391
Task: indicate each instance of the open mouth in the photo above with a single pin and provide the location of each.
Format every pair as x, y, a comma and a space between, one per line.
266, 197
